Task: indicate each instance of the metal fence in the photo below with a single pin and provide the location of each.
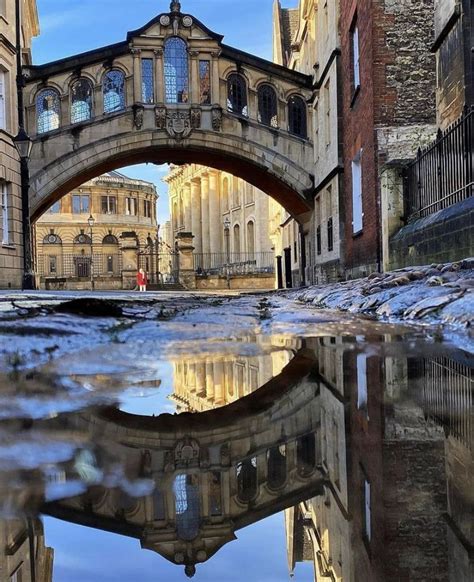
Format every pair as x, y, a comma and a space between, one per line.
224, 264
443, 173
79, 266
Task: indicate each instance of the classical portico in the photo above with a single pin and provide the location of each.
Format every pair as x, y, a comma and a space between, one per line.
171, 92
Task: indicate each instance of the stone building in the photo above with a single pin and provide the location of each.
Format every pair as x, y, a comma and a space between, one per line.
11, 253
388, 111
17, 537
228, 219
453, 42
306, 39
122, 238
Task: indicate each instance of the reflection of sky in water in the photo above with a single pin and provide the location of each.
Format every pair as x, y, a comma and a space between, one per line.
147, 401
87, 555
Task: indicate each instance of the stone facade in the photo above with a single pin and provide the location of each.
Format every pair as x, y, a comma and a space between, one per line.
454, 39
228, 219
11, 237
124, 210
391, 86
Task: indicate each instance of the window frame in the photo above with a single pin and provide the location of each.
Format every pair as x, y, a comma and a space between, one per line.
233, 105
271, 118
293, 99
73, 117
357, 194
175, 100
122, 94
108, 198
48, 125
149, 75
82, 208
5, 207
3, 100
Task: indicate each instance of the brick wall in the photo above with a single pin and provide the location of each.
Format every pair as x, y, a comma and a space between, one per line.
397, 74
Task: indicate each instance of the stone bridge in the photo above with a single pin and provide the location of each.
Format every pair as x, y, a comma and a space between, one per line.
213, 473
171, 92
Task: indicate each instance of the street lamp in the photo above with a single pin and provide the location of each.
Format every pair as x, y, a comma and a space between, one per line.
91, 222
227, 238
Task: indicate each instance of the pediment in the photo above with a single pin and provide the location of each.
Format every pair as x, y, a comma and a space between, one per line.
174, 23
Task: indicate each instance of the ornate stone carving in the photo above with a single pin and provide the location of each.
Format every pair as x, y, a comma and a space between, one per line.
165, 20
195, 118
216, 118
175, 6
187, 21
186, 452
178, 124
160, 117
138, 113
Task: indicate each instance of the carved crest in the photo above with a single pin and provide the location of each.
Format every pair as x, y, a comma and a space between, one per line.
195, 118
186, 452
178, 124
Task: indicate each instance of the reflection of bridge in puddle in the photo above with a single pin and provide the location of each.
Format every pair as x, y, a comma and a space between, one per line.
213, 472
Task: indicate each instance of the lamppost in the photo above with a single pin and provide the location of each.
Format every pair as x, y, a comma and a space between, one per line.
23, 146
227, 248
91, 222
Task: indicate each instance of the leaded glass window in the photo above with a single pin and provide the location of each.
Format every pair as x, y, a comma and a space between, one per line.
110, 239
247, 483
148, 81
81, 101
297, 116
52, 239
187, 506
237, 95
267, 106
47, 110
176, 70
205, 82
114, 91
83, 239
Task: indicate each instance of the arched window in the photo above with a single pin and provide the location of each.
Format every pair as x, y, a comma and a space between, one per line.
225, 195
267, 106
110, 239
237, 95
247, 484
82, 239
236, 238
276, 466
52, 239
306, 455
176, 70
48, 109
81, 100
251, 238
113, 87
297, 124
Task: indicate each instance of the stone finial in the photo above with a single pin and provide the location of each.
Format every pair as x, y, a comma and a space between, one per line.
190, 570
175, 6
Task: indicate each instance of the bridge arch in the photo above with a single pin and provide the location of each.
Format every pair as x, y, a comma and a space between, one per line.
197, 127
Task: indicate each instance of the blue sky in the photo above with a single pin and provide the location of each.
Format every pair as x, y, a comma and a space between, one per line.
72, 26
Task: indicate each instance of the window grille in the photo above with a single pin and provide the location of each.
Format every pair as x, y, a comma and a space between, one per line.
81, 101
267, 106
187, 506
247, 484
109, 205
176, 71
237, 95
205, 82
297, 116
47, 110
148, 81
114, 91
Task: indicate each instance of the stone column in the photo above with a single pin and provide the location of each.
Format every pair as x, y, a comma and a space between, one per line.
196, 227
392, 209
210, 387
215, 217
137, 76
195, 84
188, 225
215, 79
159, 77
187, 275
206, 243
219, 383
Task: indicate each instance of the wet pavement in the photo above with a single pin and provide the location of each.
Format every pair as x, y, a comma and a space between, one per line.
229, 439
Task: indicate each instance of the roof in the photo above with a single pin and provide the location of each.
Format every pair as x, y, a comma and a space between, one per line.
290, 19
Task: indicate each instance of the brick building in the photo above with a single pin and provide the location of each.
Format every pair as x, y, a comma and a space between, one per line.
388, 109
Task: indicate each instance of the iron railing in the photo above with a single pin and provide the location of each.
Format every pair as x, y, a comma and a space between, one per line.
443, 173
224, 264
79, 266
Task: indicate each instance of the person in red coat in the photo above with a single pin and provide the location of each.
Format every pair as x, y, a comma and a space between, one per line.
142, 280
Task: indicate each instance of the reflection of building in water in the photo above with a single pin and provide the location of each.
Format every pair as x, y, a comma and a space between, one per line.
203, 383
382, 516
19, 541
214, 472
